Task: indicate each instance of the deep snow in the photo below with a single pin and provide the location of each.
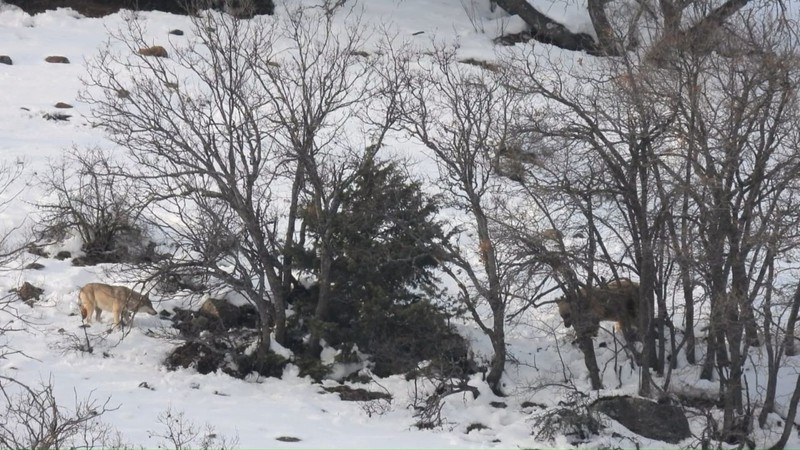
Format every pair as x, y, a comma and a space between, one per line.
258, 410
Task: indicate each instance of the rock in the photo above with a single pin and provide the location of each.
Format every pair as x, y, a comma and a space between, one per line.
35, 266
62, 255
57, 60
222, 311
662, 422
156, 50
28, 292
63, 105
176, 32
5, 59
287, 439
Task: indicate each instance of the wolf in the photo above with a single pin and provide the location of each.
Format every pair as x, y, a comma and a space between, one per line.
616, 301
99, 297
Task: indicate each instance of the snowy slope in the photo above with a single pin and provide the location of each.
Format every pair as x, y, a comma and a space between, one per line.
258, 410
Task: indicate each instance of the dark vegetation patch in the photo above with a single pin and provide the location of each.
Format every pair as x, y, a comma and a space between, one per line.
476, 426
218, 337
349, 394
101, 8
382, 282
56, 117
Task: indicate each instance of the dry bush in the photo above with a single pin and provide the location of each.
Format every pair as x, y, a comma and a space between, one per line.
180, 433
94, 199
33, 418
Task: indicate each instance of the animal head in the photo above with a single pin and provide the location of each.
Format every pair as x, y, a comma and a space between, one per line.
141, 303
565, 310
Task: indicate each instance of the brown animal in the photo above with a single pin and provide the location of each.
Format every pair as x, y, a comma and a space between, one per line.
616, 301
99, 297
156, 50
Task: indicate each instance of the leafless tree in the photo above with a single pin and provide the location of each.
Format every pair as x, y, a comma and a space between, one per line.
737, 115
599, 131
215, 132
462, 114
333, 103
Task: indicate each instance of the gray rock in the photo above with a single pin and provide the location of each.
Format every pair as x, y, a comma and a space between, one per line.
57, 59
646, 418
5, 59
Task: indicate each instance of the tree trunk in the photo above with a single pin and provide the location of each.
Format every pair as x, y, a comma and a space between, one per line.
773, 360
586, 345
791, 323
547, 30
323, 300
788, 426
279, 307
688, 300
497, 367
662, 340
265, 319
493, 296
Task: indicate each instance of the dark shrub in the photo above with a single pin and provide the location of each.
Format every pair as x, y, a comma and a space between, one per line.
386, 241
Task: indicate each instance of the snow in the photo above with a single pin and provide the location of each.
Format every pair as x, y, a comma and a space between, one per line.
258, 409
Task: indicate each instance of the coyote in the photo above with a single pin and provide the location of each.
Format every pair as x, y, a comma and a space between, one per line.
616, 300
99, 297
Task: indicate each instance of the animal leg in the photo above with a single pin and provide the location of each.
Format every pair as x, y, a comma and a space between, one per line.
97, 312
85, 315
117, 315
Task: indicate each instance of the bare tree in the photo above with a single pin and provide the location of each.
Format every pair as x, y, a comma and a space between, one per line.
200, 146
600, 129
737, 116
462, 114
216, 131
333, 104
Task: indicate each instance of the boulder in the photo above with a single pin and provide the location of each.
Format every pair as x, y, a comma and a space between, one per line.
176, 32
662, 422
57, 59
62, 105
5, 59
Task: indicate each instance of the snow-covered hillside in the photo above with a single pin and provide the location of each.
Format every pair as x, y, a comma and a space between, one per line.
130, 372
